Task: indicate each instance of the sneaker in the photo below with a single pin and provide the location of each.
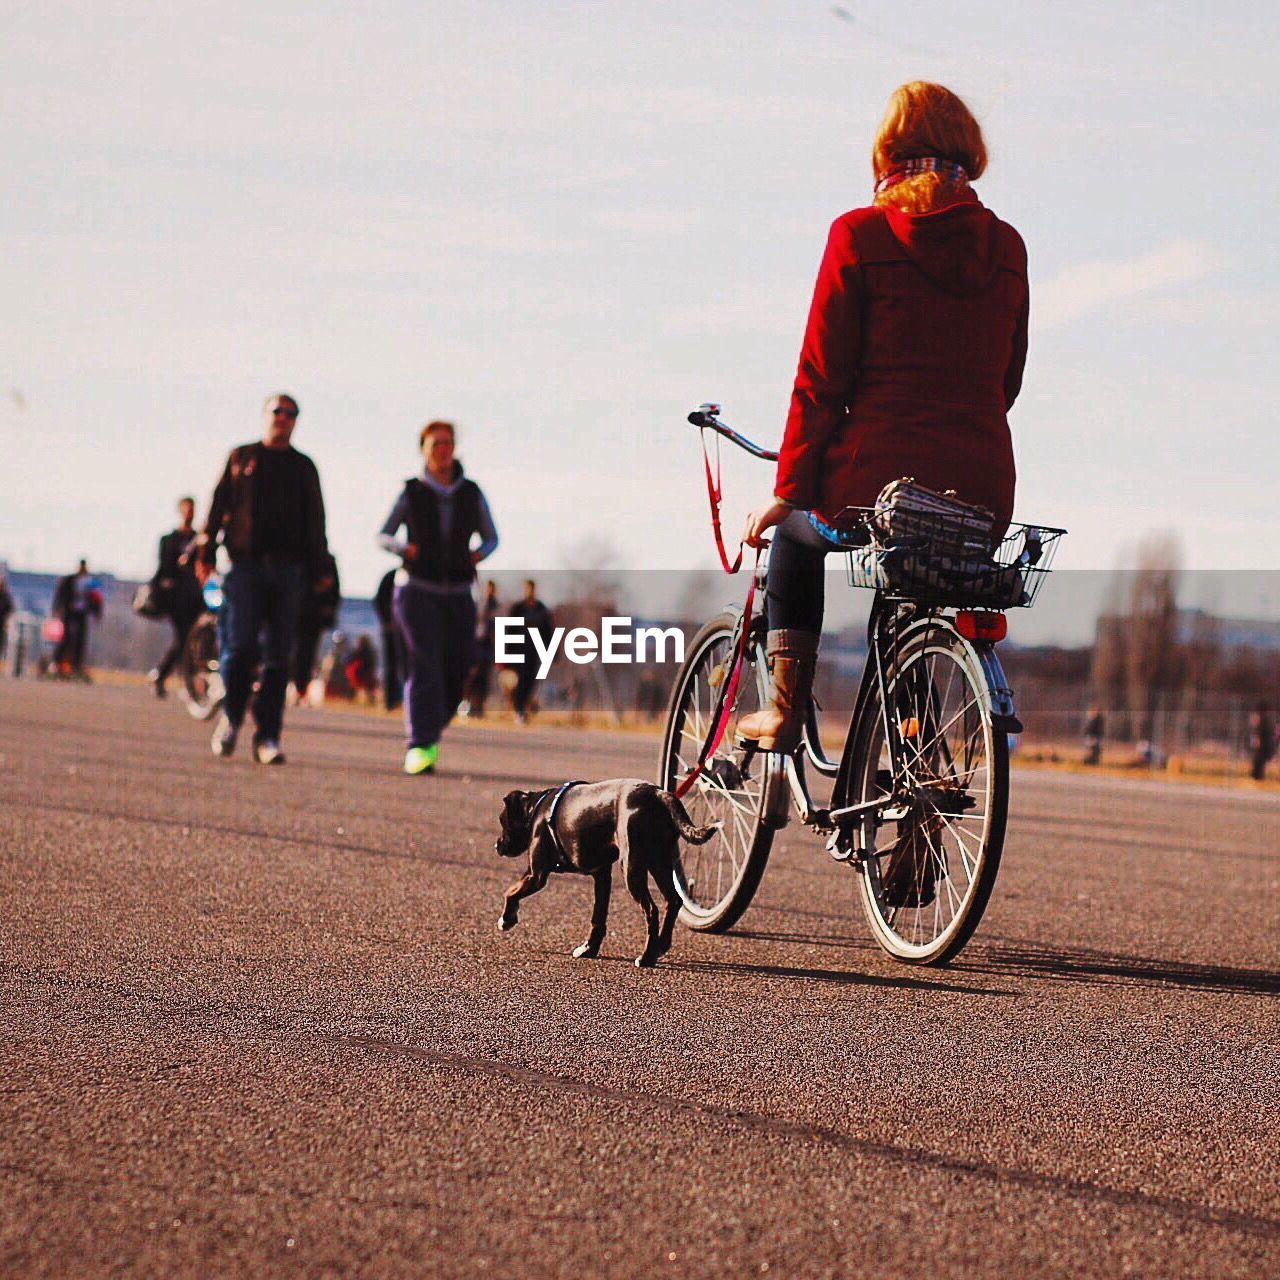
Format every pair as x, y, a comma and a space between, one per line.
224, 738
157, 682
421, 759
268, 752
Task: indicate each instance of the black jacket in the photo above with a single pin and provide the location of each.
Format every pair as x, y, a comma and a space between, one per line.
231, 511
442, 559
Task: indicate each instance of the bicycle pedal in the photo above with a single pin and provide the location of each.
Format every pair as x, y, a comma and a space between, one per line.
820, 820
840, 852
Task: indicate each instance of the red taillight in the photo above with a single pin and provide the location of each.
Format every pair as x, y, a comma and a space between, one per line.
986, 627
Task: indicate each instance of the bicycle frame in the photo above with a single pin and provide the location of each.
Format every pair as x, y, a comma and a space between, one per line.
884, 638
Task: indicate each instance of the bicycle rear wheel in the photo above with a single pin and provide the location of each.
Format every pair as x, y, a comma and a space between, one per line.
201, 678
927, 873
716, 881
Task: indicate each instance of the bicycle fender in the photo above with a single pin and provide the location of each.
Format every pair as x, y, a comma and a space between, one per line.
1004, 717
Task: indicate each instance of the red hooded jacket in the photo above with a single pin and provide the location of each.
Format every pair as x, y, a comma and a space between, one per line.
914, 351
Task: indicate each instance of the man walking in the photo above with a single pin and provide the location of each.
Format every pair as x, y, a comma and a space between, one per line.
176, 590
268, 512
1262, 741
536, 618
481, 674
6, 608
76, 599
392, 657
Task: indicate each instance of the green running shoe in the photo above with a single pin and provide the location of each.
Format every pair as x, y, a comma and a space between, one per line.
421, 759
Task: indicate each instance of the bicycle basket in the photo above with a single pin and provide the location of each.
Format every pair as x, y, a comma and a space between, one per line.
934, 549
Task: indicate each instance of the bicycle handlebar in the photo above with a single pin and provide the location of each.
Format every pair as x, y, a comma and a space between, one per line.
704, 417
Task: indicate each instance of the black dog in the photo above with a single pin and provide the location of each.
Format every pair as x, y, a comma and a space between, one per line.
586, 827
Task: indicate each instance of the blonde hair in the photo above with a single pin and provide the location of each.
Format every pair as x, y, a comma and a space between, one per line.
925, 119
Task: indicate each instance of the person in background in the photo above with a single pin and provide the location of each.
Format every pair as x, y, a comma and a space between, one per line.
268, 512
536, 618
6, 609
481, 677
176, 590
1262, 741
449, 531
76, 598
362, 669
333, 671
1095, 726
392, 655
319, 614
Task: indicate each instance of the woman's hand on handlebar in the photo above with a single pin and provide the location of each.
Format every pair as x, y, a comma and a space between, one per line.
760, 521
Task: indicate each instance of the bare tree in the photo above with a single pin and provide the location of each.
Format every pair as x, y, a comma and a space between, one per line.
593, 591
1151, 626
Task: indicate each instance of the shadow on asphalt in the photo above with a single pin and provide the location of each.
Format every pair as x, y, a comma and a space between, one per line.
1068, 965
1073, 964
838, 977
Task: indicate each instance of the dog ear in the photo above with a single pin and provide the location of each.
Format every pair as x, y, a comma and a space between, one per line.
515, 808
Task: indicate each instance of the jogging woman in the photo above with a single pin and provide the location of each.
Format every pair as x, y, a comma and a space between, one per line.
449, 531
913, 353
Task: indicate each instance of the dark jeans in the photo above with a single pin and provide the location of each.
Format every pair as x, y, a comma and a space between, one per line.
392, 668
481, 678
75, 636
526, 679
304, 654
261, 602
182, 618
439, 635
795, 596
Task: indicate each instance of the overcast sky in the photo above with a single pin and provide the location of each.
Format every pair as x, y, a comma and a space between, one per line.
563, 225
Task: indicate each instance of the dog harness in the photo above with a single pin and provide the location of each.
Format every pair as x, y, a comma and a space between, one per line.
549, 824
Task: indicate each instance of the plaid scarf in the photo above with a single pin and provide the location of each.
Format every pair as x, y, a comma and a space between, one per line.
947, 169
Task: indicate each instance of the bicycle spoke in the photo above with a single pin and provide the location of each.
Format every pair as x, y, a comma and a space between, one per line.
931, 731
709, 874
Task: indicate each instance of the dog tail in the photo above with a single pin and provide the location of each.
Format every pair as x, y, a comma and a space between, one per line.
684, 823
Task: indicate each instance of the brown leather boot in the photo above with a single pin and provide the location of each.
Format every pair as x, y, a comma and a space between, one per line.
777, 725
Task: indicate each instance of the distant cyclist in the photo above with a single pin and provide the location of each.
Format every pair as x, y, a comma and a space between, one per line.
913, 353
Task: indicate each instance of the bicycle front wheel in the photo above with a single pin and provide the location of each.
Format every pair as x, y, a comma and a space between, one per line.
201, 678
716, 881
928, 867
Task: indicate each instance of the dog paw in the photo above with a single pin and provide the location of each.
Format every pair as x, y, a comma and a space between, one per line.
646, 961
585, 951
504, 924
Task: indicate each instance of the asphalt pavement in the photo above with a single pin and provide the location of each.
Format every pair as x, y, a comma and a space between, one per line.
260, 1022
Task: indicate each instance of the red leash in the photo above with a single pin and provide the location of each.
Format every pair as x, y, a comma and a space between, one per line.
729, 686
715, 493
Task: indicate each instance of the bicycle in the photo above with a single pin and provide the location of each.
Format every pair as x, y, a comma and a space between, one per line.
202, 687
926, 750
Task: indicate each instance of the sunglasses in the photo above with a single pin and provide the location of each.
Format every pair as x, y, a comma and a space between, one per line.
279, 412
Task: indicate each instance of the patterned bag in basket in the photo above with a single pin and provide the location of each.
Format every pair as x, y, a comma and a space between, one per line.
933, 545
906, 510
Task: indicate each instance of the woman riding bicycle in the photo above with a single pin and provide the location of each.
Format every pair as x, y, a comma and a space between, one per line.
914, 351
